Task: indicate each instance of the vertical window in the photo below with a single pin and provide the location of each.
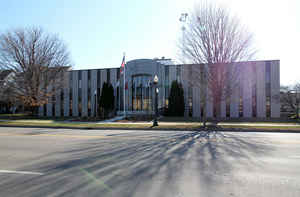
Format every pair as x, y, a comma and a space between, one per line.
79, 78
71, 93
254, 73
108, 76
146, 93
79, 92
178, 73
53, 102
229, 91
45, 109
98, 78
98, 90
118, 78
71, 103
241, 113
89, 93
147, 99
89, 75
118, 100
190, 100
118, 73
203, 88
166, 86
228, 106
141, 96
268, 89
190, 95
150, 98
214, 108
62, 102
70, 79
133, 94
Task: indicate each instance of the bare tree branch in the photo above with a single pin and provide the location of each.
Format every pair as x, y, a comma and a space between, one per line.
215, 38
37, 60
290, 98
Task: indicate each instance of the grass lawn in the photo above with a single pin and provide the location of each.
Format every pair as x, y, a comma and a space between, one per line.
231, 120
180, 123
176, 126
22, 116
49, 123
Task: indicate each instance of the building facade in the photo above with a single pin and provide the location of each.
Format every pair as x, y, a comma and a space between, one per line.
256, 95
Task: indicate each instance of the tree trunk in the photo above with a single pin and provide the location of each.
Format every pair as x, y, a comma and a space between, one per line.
203, 95
204, 119
203, 104
217, 104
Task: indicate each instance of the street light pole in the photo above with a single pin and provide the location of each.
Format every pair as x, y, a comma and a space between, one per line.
155, 81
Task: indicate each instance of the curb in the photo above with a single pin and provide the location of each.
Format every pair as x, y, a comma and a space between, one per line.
241, 130
100, 128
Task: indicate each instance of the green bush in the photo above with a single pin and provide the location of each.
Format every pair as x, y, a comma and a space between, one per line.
176, 100
107, 99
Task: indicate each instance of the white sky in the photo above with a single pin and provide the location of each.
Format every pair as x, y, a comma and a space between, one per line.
276, 27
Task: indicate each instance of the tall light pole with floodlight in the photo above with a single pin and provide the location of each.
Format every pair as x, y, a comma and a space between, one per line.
182, 19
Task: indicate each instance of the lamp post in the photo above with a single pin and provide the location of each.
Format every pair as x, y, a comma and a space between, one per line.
155, 81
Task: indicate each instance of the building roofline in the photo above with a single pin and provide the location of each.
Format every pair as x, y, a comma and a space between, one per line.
251, 61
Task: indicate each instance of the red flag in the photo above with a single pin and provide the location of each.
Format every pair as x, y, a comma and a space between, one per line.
123, 62
122, 65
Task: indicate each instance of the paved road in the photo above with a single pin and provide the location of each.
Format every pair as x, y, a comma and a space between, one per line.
62, 162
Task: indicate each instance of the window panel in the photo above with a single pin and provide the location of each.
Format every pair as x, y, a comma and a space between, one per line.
108, 75
268, 89
89, 93
254, 99
140, 92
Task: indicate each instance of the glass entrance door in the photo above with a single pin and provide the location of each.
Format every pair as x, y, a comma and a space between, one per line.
141, 93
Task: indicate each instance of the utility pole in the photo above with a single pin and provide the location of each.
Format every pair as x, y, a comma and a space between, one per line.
182, 19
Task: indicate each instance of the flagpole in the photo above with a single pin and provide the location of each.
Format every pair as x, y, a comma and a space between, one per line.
124, 87
119, 89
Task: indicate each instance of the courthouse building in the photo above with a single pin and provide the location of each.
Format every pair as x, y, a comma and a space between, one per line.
257, 94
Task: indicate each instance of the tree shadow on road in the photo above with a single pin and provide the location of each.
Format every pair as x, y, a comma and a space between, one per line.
144, 165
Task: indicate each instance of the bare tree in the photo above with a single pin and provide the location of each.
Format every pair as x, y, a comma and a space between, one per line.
7, 98
290, 98
212, 39
38, 61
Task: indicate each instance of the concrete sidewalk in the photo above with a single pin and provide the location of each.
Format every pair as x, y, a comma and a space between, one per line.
113, 121
218, 124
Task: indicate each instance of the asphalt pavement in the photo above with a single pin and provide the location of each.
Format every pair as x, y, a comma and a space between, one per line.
65, 162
